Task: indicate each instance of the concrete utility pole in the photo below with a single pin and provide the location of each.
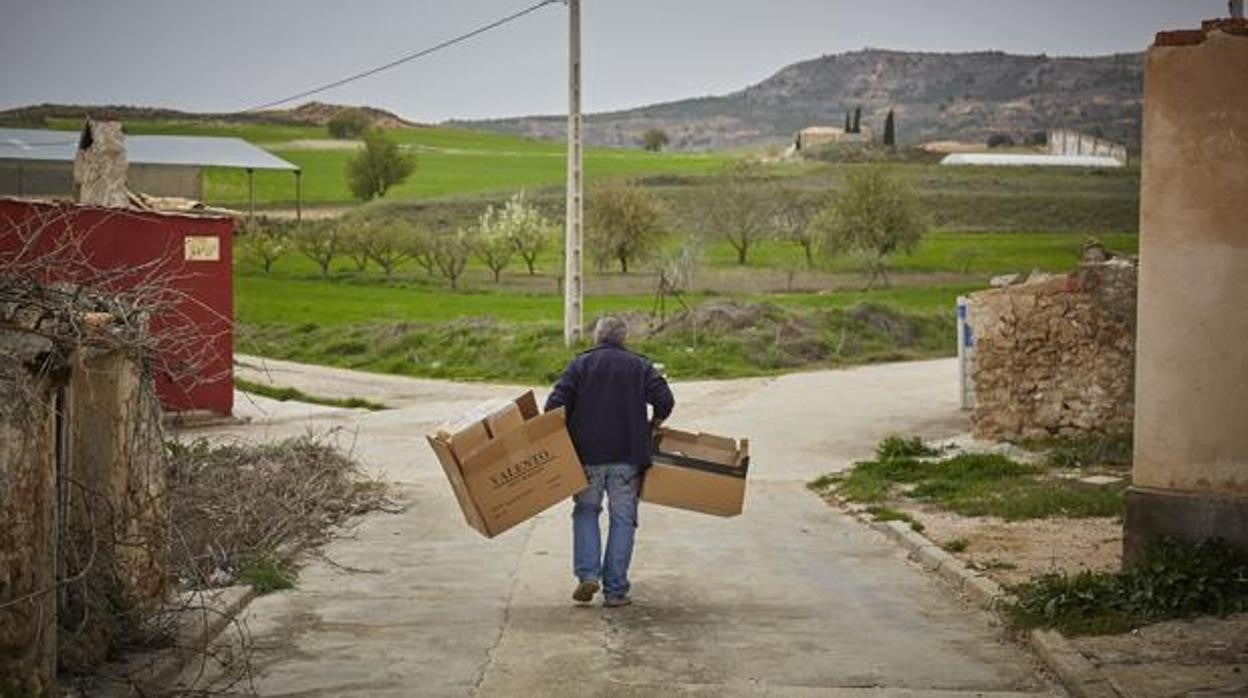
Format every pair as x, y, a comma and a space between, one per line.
573, 282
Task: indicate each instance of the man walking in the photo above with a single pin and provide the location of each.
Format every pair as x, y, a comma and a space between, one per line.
605, 392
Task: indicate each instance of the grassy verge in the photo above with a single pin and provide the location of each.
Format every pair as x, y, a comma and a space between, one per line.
289, 394
1172, 581
973, 484
715, 340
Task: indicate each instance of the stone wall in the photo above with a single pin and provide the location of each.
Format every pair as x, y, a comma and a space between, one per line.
84, 524
1054, 356
28, 523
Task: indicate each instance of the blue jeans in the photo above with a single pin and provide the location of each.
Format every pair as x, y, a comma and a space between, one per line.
620, 482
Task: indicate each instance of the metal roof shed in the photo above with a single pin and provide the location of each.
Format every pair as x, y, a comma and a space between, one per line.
1028, 160
41, 145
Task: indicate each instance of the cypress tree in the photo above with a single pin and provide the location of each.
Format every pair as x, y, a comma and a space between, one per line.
857, 119
890, 133
848, 126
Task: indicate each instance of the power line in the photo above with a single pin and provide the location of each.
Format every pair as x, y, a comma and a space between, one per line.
407, 58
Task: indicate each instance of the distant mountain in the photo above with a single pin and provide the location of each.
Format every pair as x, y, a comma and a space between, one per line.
309, 113
937, 96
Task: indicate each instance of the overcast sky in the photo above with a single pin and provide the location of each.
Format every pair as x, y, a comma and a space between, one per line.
225, 55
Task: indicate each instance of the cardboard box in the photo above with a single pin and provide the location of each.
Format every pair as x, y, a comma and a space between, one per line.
524, 464
698, 472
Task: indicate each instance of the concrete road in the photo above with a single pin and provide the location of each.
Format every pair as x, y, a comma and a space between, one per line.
791, 599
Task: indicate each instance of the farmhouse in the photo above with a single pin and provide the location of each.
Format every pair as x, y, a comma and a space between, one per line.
40, 163
813, 136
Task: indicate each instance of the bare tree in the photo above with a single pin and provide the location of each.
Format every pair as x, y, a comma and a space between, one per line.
451, 252
320, 242
794, 212
738, 207
389, 244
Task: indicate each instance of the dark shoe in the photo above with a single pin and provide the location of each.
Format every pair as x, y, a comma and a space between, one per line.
616, 601
585, 591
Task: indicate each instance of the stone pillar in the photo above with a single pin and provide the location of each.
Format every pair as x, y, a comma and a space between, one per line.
118, 504
1190, 477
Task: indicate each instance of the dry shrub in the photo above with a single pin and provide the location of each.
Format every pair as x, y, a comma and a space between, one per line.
235, 504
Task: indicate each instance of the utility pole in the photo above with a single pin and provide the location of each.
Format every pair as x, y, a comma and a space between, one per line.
573, 282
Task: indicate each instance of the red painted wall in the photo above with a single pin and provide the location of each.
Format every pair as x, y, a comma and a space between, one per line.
192, 321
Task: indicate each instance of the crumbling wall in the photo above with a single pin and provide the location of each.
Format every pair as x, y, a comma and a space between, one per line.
84, 524
1055, 355
28, 524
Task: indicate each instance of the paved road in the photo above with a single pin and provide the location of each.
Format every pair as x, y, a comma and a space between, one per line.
790, 599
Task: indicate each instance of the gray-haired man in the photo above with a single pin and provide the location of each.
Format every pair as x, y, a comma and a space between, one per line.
605, 392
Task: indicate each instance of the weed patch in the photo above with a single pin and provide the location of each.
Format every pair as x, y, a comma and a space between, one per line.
267, 575
900, 447
957, 545
1085, 451
1173, 580
976, 484
889, 514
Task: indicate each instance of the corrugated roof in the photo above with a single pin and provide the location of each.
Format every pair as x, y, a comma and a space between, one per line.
202, 151
1021, 159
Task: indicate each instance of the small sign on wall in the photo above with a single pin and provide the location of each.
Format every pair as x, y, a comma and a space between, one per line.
201, 248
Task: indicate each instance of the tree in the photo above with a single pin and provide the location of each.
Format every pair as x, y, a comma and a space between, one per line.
353, 240
377, 167
266, 243
391, 242
493, 244
890, 130
625, 224
320, 242
450, 253
794, 212
528, 231
857, 119
348, 123
738, 207
655, 139
849, 124
875, 218
418, 240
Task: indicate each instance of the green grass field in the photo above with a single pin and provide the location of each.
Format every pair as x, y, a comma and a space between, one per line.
946, 251
448, 162
440, 173
985, 222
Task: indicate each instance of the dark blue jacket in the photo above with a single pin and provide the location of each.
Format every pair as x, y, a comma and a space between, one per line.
605, 392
